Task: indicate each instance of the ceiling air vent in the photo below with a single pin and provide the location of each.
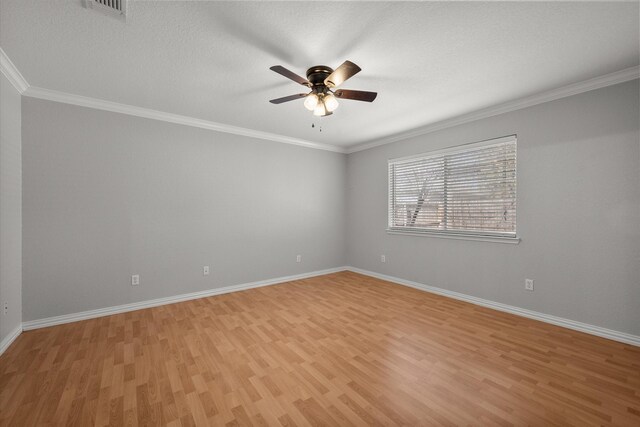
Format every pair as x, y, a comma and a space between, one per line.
117, 8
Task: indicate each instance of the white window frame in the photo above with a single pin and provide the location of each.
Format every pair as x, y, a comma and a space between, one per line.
451, 234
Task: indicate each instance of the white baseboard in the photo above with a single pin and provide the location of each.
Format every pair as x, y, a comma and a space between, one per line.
559, 321
107, 311
9, 339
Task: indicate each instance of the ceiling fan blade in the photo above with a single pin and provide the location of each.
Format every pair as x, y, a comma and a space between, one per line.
345, 71
290, 75
357, 95
288, 98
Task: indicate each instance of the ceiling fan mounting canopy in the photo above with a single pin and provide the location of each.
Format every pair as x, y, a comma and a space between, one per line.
317, 74
322, 79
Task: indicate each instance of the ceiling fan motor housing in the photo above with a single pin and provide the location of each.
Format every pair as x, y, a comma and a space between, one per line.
317, 75
322, 81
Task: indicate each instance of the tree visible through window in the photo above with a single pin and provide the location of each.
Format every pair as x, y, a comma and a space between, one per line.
466, 190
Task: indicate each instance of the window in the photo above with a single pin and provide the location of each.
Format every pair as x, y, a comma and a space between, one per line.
468, 190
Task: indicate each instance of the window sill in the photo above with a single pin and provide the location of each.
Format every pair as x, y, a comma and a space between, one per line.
493, 239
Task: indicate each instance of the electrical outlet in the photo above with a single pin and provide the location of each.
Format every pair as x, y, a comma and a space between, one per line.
299, 258
6, 308
135, 280
528, 284
383, 258
205, 270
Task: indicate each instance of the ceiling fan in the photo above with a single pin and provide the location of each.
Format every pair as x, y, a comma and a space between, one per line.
322, 99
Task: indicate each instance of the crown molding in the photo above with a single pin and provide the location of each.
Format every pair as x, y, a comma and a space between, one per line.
18, 81
84, 101
11, 73
621, 76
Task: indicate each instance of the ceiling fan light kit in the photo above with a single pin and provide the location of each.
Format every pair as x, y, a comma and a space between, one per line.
322, 100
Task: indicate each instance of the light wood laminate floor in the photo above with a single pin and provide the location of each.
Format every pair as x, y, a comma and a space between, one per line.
341, 349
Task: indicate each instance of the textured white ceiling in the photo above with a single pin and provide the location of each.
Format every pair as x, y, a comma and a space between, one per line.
210, 60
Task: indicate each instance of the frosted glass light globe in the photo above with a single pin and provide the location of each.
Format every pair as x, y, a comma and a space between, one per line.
330, 102
320, 109
311, 101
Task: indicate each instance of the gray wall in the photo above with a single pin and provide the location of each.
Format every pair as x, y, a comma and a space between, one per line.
10, 208
108, 195
578, 213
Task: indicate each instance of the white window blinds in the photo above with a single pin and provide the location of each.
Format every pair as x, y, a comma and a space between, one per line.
467, 190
